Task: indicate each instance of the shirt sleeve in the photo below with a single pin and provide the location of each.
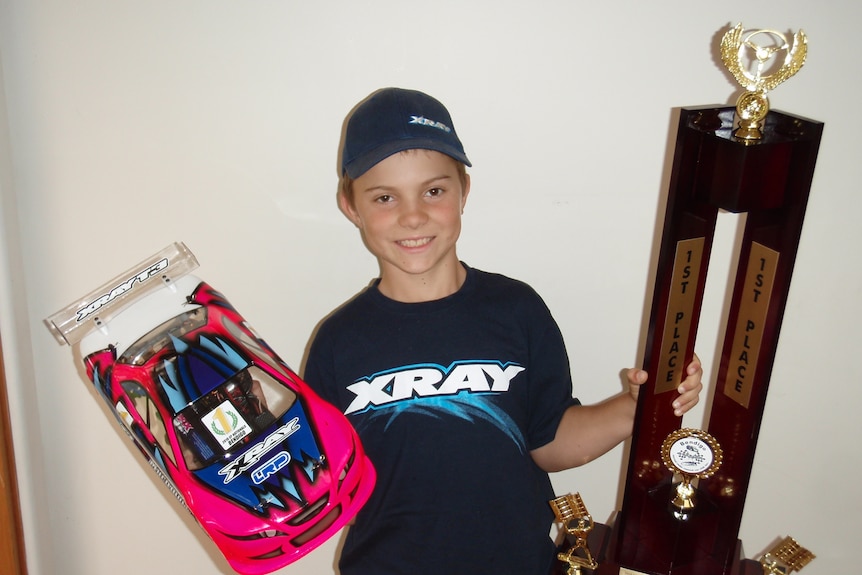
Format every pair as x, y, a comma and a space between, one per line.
551, 389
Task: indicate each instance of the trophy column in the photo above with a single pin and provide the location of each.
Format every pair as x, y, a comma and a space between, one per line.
763, 168
770, 241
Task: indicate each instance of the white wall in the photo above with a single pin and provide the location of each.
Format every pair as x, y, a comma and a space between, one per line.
129, 125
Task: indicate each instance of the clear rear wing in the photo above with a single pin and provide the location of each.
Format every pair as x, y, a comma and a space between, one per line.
73, 322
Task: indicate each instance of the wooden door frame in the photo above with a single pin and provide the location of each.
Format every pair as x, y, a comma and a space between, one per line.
12, 557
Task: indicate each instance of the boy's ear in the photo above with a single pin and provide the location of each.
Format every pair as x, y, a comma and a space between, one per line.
347, 208
465, 192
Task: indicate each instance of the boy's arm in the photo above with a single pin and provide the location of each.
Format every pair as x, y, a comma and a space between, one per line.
588, 431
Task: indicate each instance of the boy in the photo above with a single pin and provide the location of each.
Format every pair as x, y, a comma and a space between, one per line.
457, 380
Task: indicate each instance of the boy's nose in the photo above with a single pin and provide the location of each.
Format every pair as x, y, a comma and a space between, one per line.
413, 216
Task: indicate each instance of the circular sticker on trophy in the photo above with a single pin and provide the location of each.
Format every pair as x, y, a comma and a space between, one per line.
691, 452
691, 455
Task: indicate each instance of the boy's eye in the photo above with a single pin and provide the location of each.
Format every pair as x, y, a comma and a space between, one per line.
434, 192
384, 199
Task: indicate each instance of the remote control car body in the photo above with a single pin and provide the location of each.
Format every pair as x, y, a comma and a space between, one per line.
266, 467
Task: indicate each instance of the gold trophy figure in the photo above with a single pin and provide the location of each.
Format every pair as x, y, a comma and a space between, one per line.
786, 557
572, 514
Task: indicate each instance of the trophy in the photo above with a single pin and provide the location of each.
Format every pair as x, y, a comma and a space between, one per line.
752, 160
571, 512
785, 557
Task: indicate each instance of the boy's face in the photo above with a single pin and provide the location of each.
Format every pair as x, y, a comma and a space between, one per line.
408, 208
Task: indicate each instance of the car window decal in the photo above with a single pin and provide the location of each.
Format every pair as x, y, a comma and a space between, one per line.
226, 425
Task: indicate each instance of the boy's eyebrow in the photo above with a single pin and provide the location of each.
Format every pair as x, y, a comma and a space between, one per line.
426, 183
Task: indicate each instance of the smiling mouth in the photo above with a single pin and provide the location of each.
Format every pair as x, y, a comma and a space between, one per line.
414, 243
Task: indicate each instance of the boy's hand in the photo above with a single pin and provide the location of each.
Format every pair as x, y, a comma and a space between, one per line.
689, 390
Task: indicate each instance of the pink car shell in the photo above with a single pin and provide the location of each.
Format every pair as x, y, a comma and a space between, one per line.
267, 468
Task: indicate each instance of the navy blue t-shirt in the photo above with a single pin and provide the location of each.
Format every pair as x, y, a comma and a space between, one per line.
448, 398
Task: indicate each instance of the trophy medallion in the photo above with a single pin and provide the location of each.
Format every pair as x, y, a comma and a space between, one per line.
690, 453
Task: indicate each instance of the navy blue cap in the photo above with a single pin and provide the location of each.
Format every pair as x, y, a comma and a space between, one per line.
393, 120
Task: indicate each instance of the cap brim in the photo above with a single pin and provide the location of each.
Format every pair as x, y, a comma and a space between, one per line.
364, 162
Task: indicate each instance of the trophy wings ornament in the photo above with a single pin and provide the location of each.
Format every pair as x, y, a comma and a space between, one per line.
740, 52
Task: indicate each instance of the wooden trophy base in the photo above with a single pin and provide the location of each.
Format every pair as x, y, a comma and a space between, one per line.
600, 542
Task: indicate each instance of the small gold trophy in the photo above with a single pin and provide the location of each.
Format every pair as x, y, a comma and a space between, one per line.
572, 513
690, 453
751, 57
786, 557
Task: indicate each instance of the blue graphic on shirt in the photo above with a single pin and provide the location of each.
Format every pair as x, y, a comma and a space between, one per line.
464, 390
